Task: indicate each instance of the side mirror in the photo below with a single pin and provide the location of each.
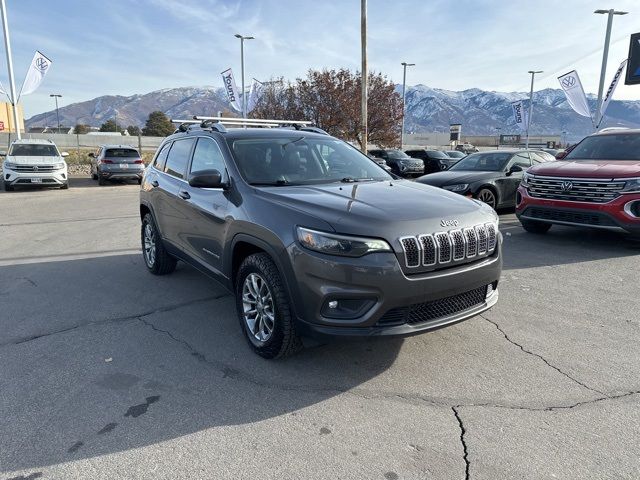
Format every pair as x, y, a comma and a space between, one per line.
514, 169
206, 179
92, 155
64, 154
561, 155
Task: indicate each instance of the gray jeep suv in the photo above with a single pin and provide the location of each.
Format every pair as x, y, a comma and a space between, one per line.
314, 238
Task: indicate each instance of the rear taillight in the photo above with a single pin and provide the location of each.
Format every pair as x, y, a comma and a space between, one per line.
106, 161
138, 161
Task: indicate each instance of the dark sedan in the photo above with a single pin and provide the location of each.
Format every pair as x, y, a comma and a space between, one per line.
492, 177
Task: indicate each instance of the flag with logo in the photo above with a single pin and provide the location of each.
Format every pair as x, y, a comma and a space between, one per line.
519, 114
610, 90
572, 87
232, 89
37, 70
254, 94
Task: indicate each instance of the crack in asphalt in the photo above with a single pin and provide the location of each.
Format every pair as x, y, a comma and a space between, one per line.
557, 369
464, 443
137, 316
71, 220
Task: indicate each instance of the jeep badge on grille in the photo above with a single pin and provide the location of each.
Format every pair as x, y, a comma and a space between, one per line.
449, 223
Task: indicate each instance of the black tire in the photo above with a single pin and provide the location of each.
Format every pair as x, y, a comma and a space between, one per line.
94, 176
488, 196
8, 187
161, 262
532, 226
139, 181
283, 340
101, 181
65, 186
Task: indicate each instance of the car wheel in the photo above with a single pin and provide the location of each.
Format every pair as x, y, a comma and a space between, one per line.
263, 308
532, 226
94, 176
101, 181
156, 257
487, 196
8, 187
65, 186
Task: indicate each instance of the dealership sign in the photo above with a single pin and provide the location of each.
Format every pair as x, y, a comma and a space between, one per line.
509, 139
454, 132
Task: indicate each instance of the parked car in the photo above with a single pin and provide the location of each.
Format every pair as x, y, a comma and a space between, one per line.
466, 148
492, 177
550, 157
401, 164
434, 160
551, 151
380, 162
596, 185
34, 163
455, 154
308, 234
111, 162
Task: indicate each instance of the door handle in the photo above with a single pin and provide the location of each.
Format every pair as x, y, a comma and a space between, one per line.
155, 183
184, 194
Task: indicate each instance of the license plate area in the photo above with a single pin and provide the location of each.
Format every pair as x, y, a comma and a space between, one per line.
124, 166
36, 180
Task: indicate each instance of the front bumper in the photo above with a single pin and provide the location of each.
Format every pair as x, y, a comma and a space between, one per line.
410, 169
605, 216
45, 179
395, 301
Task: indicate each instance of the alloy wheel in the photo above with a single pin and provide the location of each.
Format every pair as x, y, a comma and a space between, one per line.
149, 245
487, 197
258, 308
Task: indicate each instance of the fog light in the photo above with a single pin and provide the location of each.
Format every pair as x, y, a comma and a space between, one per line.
347, 308
333, 304
633, 208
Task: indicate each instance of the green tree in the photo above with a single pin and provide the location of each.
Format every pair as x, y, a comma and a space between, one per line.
81, 129
109, 126
134, 130
158, 125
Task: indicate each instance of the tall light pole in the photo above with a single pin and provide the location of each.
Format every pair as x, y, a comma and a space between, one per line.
404, 87
244, 96
56, 96
364, 74
605, 54
533, 74
498, 137
12, 83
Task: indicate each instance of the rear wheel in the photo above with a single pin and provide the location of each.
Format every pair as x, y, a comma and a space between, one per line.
94, 176
65, 186
263, 308
487, 196
8, 187
101, 181
532, 226
156, 257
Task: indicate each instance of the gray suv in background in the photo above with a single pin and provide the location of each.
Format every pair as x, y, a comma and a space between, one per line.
314, 238
120, 162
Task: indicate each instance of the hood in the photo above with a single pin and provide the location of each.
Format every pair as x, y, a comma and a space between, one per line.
35, 160
605, 169
453, 177
388, 209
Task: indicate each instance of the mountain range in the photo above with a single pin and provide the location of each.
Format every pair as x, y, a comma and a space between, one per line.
428, 109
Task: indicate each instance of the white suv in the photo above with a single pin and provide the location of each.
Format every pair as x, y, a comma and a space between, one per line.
34, 162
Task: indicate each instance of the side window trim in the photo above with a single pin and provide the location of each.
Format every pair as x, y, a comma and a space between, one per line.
186, 164
225, 174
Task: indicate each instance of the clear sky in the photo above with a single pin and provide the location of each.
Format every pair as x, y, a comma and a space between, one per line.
122, 47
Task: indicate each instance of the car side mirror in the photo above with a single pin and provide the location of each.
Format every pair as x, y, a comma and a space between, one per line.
560, 155
92, 155
206, 179
64, 154
514, 169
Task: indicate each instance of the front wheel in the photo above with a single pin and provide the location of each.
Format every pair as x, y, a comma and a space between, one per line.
263, 308
8, 187
65, 186
487, 196
532, 226
156, 257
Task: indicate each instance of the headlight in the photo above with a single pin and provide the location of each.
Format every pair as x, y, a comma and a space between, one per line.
526, 177
343, 245
631, 185
59, 166
460, 187
9, 165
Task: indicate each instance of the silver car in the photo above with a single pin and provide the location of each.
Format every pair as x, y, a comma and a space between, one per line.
112, 162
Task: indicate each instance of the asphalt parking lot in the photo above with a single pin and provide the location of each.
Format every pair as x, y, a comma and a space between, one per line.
109, 372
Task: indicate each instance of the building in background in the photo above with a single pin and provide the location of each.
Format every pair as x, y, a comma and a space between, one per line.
6, 118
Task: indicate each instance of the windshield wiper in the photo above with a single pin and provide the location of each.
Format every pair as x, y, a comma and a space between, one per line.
277, 183
354, 180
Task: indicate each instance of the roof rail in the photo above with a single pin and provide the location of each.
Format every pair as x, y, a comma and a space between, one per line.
611, 129
186, 125
255, 122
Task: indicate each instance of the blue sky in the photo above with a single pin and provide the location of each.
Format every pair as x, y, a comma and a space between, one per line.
122, 47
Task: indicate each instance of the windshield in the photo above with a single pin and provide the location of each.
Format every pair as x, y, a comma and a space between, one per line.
437, 154
455, 154
303, 161
621, 146
33, 150
397, 154
121, 153
483, 162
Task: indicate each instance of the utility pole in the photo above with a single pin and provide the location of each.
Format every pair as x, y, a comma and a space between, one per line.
533, 74
364, 74
605, 54
404, 87
244, 95
56, 96
12, 83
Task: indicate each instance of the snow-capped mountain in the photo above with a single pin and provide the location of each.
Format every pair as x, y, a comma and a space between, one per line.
428, 109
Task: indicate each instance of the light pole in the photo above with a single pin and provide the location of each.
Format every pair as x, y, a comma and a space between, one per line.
364, 80
404, 88
12, 83
56, 96
533, 74
605, 54
498, 137
244, 96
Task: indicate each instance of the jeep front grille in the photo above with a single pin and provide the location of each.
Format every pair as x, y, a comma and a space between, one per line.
574, 189
455, 246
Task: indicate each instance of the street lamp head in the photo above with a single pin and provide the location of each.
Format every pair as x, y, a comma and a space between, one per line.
535, 71
237, 35
55, 95
405, 64
615, 12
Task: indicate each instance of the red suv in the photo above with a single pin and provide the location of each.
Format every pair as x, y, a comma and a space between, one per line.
596, 185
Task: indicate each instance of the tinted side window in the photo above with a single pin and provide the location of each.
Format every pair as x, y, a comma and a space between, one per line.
178, 157
207, 156
161, 157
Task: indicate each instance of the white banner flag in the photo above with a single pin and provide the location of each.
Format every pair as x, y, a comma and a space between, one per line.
610, 90
231, 89
572, 86
519, 115
37, 70
254, 94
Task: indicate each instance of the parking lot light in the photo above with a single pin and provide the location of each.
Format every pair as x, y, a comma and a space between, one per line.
404, 86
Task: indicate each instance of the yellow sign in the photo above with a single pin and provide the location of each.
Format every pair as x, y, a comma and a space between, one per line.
6, 118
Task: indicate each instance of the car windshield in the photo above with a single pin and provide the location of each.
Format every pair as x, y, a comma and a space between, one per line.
397, 154
33, 150
121, 153
483, 162
454, 154
621, 146
303, 161
437, 154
